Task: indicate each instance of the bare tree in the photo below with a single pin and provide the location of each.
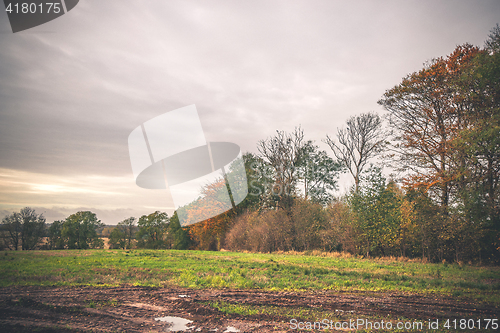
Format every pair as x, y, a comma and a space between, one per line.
361, 140
283, 153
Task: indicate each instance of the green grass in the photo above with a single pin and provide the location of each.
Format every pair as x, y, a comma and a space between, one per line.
275, 272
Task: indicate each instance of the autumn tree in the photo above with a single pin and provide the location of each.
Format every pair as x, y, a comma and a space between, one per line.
408, 227
447, 123
428, 113
342, 233
267, 231
211, 212
355, 145
209, 234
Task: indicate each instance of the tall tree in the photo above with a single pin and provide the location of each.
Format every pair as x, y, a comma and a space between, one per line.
428, 114
447, 123
480, 141
362, 139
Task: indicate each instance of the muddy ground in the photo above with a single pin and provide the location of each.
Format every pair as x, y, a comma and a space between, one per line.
134, 309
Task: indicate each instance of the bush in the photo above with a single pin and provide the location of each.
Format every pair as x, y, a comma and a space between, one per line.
310, 223
302, 227
341, 233
266, 232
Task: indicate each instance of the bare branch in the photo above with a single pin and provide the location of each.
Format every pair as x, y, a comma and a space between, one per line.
358, 143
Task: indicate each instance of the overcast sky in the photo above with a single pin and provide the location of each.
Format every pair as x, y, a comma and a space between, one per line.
73, 89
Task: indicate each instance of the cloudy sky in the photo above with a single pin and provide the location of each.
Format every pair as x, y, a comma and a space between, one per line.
73, 89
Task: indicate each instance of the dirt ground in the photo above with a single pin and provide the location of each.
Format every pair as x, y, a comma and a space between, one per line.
134, 309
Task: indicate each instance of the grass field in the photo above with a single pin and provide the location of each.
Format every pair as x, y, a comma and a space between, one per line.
81, 290
271, 272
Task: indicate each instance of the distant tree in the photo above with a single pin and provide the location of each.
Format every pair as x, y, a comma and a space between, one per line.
79, 231
123, 234
362, 140
117, 239
25, 227
33, 227
106, 231
56, 241
13, 228
3, 236
152, 229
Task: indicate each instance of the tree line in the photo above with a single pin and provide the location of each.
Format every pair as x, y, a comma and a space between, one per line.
441, 136
28, 230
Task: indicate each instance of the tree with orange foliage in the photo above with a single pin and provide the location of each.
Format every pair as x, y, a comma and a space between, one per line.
209, 233
447, 123
429, 113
